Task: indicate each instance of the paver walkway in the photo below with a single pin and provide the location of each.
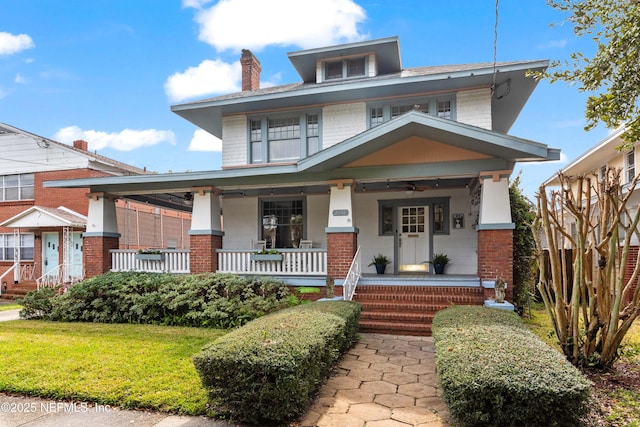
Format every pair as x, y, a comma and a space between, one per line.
383, 381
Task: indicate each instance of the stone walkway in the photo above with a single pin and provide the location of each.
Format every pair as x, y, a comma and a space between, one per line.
384, 381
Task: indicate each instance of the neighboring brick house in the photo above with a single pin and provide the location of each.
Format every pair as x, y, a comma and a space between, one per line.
360, 153
42, 227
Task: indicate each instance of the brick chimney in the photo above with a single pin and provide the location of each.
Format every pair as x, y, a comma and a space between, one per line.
250, 71
81, 144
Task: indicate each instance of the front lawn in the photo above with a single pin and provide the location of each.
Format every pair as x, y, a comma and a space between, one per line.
617, 392
131, 366
10, 306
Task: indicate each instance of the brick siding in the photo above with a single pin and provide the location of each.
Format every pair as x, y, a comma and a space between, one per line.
203, 258
95, 255
495, 258
341, 248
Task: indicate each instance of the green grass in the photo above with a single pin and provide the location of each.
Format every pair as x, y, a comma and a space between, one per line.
625, 404
132, 366
5, 307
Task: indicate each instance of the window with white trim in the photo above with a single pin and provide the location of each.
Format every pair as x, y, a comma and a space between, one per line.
630, 165
440, 107
283, 138
17, 187
345, 68
7, 247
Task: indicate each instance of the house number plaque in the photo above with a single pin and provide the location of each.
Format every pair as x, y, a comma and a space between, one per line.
340, 212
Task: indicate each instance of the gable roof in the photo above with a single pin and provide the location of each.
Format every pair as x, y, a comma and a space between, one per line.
502, 151
592, 159
41, 216
94, 158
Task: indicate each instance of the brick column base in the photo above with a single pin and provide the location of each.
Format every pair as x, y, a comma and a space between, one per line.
96, 258
341, 248
495, 259
203, 256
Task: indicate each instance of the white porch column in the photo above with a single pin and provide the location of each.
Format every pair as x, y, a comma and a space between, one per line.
205, 235
342, 235
206, 211
341, 207
495, 208
102, 220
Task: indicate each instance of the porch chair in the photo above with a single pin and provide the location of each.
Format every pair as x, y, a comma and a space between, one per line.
306, 244
260, 245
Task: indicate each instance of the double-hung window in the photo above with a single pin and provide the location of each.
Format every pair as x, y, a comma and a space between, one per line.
440, 107
345, 68
17, 187
283, 138
8, 246
630, 165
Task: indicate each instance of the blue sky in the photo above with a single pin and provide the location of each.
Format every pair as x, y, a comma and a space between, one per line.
108, 70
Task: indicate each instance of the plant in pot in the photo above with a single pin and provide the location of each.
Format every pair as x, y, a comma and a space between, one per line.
439, 261
380, 262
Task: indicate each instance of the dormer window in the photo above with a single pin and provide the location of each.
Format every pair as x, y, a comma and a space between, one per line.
345, 68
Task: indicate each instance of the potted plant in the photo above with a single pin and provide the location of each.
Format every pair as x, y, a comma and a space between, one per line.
439, 261
150, 255
266, 255
380, 261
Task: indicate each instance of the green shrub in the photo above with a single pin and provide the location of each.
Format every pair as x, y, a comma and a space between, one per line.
37, 304
213, 300
495, 372
266, 371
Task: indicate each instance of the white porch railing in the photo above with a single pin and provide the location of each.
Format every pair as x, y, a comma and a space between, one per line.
293, 262
170, 261
60, 275
353, 276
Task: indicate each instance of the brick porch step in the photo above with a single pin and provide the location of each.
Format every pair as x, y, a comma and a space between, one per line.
18, 290
409, 310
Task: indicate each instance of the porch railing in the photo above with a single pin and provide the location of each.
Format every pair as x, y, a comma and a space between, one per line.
353, 276
293, 262
168, 261
59, 275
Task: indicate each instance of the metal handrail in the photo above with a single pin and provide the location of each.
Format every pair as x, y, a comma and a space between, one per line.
45, 281
13, 267
353, 276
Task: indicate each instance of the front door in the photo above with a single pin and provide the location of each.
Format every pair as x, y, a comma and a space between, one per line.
413, 238
51, 254
76, 256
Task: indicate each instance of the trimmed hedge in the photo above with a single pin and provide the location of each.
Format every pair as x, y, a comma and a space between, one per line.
209, 300
495, 372
267, 371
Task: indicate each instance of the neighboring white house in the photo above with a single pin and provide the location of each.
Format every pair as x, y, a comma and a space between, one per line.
361, 153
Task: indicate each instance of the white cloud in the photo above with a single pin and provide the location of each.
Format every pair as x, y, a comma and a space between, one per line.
196, 4
211, 76
4, 93
204, 141
125, 140
254, 24
20, 79
553, 44
10, 43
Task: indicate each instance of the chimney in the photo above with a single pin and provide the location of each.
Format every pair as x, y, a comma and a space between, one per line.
250, 71
81, 144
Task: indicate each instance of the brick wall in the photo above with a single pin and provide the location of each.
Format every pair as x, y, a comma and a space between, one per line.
96, 258
495, 258
72, 198
203, 258
341, 248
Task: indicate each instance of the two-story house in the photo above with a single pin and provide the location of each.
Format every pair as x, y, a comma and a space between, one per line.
595, 163
361, 153
41, 228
